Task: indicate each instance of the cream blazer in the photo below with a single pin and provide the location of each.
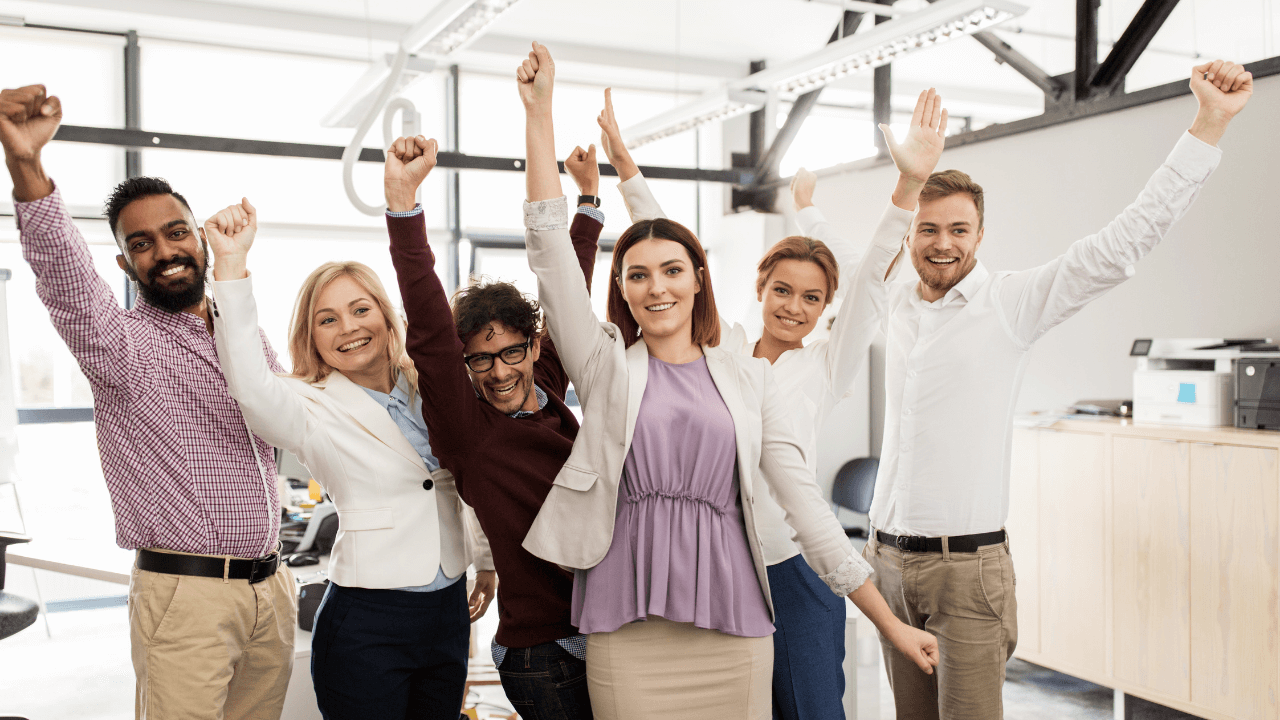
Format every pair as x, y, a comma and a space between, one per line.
574, 528
392, 533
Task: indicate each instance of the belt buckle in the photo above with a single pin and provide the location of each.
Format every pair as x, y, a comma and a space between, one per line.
908, 543
263, 566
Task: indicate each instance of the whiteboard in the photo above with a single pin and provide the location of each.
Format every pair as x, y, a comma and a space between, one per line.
8, 397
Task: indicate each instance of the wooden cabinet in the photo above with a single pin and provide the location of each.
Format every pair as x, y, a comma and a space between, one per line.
1151, 557
1072, 550
1024, 535
1148, 560
1235, 580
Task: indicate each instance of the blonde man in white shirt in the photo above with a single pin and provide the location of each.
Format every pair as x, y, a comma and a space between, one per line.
957, 345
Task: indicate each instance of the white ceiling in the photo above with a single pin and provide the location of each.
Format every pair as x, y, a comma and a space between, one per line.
688, 45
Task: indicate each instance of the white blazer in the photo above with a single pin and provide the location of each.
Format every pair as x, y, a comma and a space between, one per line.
575, 525
392, 532
822, 373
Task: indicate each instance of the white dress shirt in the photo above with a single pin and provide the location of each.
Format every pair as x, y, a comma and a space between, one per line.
953, 367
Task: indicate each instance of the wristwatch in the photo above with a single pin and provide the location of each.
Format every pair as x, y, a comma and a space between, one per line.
593, 199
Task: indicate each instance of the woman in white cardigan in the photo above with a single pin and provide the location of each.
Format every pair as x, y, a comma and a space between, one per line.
655, 507
392, 633
796, 280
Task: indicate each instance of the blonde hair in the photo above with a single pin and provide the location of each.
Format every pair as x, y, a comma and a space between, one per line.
307, 363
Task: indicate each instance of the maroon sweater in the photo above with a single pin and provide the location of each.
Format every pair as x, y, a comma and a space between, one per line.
503, 466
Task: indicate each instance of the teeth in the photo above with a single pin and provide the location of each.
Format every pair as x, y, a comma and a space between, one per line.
788, 321
505, 390
660, 308
942, 261
353, 345
172, 271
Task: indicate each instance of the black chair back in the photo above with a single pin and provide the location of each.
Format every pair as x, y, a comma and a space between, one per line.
16, 613
855, 483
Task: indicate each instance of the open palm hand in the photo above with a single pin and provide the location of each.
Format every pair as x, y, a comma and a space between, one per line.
918, 154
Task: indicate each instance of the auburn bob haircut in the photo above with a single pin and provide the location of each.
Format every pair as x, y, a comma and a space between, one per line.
706, 320
805, 249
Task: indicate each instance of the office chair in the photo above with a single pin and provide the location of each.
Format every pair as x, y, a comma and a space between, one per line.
853, 487
16, 612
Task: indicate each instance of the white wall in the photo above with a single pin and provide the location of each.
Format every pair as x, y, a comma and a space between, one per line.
1217, 273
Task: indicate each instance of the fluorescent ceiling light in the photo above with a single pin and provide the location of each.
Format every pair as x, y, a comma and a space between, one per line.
449, 27
713, 106
939, 22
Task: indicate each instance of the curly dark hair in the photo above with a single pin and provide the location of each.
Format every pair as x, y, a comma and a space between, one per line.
486, 300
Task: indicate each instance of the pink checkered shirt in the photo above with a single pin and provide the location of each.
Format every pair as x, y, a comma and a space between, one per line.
183, 470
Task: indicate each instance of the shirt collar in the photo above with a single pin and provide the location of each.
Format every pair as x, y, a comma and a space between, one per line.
164, 317
966, 288
542, 402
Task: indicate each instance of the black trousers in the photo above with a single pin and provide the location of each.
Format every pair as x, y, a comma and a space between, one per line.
545, 682
391, 653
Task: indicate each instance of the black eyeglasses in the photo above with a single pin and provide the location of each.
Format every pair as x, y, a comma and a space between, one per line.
512, 355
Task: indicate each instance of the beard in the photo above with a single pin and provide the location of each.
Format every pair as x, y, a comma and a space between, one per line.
173, 299
941, 280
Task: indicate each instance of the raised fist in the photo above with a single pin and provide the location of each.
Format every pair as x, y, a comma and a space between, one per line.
582, 167
536, 77
28, 120
1222, 86
409, 161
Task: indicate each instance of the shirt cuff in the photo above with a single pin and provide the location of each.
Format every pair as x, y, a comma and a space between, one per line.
417, 210
47, 213
1193, 158
808, 217
592, 212
894, 226
550, 214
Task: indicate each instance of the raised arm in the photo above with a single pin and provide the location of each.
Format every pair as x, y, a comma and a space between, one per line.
271, 408
818, 534
450, 406
1036, 300
588, 221
866, 291
574, 327
81, 305
640, 202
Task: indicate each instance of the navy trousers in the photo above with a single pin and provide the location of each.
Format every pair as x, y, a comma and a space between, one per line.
391, 653
808, 644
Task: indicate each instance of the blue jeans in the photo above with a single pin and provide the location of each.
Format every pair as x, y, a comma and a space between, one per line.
391, 653
808, 644
545, 682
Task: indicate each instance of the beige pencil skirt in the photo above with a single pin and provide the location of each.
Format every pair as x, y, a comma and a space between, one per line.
669, 670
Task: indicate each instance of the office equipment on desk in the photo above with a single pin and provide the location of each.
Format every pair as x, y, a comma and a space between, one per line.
1258, 393
1190, 381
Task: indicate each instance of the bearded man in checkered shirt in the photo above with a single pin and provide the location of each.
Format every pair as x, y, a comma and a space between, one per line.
211, 609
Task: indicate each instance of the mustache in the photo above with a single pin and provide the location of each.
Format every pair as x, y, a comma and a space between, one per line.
181, 261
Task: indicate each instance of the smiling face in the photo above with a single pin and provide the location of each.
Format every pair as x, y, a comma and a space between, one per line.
509, 388
659, 283
349, 330
163, 252
794, 297
944, 243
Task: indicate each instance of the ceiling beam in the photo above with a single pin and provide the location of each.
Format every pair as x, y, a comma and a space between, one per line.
1135, 39
1005, 53
1086, 47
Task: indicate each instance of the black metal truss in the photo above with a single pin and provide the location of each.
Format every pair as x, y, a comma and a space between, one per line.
1052, 87
1109, 76
123, 137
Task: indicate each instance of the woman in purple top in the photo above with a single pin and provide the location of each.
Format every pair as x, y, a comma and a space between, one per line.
654, 506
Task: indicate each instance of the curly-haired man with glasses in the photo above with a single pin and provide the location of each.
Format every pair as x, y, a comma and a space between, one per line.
493, 395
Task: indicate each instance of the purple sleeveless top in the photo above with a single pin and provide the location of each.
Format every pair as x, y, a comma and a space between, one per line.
679, 543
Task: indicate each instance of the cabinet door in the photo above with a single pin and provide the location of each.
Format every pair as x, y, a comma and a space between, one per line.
1024, 535
1073, 551
1151, 565
1235, 580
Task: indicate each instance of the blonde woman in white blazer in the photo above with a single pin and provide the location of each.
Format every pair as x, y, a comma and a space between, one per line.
796, 280
649, 509
392, 633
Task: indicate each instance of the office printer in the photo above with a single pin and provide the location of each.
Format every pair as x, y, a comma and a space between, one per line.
1190, 381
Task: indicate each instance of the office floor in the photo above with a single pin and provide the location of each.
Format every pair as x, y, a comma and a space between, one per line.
83, 673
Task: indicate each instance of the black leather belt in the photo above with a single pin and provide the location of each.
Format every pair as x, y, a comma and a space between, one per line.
959, 543
255, 571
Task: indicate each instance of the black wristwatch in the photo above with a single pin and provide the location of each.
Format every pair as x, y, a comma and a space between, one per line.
593, 199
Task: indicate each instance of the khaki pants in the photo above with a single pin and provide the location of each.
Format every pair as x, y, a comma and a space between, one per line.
967, 601
208, 648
